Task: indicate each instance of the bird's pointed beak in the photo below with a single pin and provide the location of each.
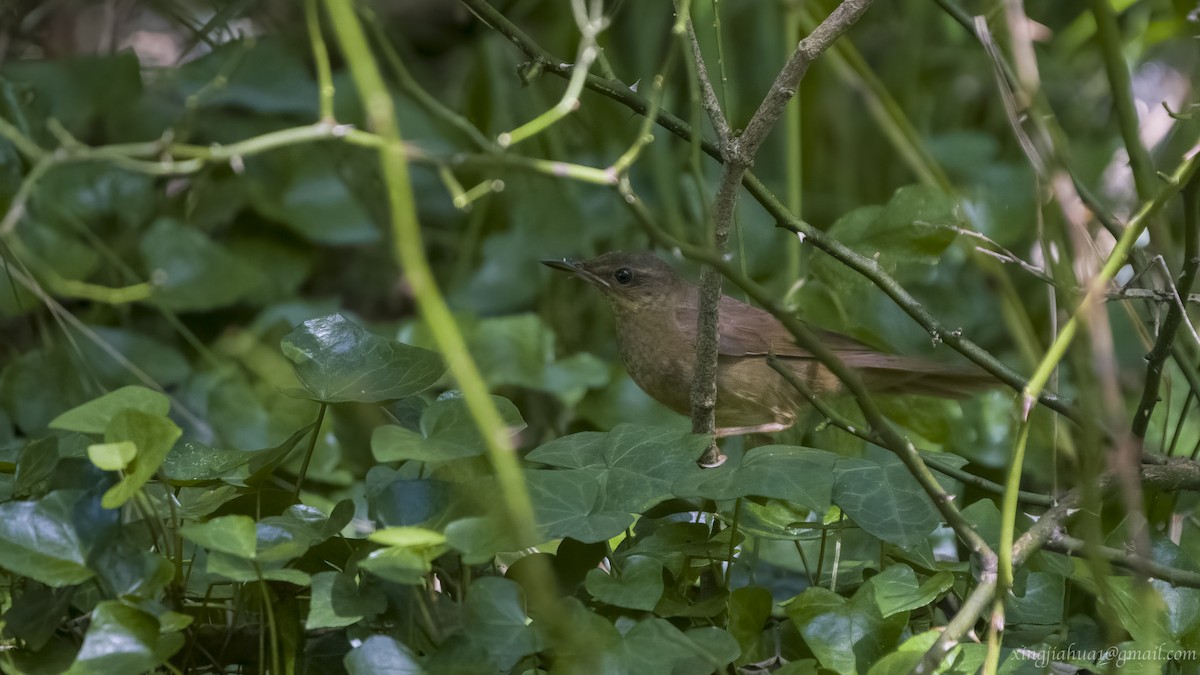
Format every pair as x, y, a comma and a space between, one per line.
574, 267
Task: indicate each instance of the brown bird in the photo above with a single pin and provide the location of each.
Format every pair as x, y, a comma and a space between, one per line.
656, 310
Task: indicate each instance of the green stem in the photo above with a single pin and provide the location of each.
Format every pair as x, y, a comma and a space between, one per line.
308, 452
410, 255
589, 26
733, 530
1008, 511
272, 628
1108, 35
321, 56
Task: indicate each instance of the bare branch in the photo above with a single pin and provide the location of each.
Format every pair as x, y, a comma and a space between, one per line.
708, 96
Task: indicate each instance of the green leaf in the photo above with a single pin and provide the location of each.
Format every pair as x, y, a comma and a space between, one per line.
78, 91
571, 504
290, 535
494, 617
611, 475
36, 613
158, 360
884, 500
846, 635
120, 640
448, 431
195, 273
408, 537
337, 601
749, 609
235, 568
92, 193
338, 361
94, 416
519, 351
400, 564
272, 539
264, 462
480, 538
153, 435
192, 461
382, 655
656, 646
265, 75
307, 195
964, 657
396, 501
792, 473
35, 466
112, 456
636, 584
41, 384
40, 542
896, 589
1041, 603
636, 465
235, 535
915, 226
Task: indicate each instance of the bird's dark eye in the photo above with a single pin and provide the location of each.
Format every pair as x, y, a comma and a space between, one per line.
623, 275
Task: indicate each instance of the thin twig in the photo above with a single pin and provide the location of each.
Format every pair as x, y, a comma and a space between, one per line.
708, 96
1063, 543
1177, 314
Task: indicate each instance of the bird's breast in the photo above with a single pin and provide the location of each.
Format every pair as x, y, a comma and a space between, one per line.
658, 356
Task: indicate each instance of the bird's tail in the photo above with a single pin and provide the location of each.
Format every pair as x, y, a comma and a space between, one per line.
907, 375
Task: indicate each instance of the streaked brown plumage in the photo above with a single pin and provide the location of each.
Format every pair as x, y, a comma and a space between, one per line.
656, 309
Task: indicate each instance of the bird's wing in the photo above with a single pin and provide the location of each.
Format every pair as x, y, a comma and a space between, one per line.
749, 331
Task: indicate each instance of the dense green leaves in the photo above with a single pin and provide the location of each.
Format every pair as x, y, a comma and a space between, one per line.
337, 360
186, 230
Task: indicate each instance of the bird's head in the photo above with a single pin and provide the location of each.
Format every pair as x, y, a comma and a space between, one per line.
630, 281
